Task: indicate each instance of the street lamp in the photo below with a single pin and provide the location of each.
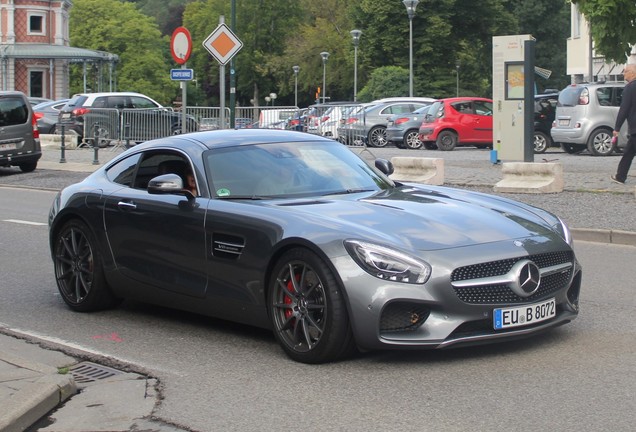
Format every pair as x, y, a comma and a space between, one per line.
267, 99
296, 70
457, 70
356, 40
410, 10
325, 56
273, 97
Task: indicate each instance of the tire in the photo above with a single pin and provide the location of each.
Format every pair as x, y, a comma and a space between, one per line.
307, 309
78, 269
103, 138
572, 148
429, 145
28, 166
446, 140
411, 140
377, 137
176, 129
600, 142
541, 142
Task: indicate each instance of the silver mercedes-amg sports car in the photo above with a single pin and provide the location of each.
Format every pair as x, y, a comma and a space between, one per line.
297, 233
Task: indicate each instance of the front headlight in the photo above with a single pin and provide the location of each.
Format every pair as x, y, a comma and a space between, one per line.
563, 231
388, 264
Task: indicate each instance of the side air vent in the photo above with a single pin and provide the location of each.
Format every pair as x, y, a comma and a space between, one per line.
227, 246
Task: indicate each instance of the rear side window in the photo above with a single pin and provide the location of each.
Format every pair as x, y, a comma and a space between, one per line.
76, 101
569, 96
13, 111
604, 95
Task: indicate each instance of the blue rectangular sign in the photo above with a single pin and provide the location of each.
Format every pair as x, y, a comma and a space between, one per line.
181, 74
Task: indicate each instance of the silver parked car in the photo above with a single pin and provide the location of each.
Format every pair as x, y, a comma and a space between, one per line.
296, 233
403, 130
585, 118
369, 125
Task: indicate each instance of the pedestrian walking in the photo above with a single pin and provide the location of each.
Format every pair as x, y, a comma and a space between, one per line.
627, 112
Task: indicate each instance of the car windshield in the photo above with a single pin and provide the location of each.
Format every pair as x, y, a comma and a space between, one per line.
290, 169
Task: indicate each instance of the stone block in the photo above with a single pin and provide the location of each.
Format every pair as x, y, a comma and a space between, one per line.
418, 170
531, 177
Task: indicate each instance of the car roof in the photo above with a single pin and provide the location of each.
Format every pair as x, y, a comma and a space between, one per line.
404, 99
237, 137
98, 94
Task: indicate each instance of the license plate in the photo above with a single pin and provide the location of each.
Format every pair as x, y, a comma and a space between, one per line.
524, 315
66, 115
564, 122
11, 146
390, 124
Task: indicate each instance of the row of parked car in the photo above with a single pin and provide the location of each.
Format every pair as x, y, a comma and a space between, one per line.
580, 117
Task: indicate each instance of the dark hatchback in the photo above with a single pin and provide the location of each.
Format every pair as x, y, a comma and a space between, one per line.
544, 114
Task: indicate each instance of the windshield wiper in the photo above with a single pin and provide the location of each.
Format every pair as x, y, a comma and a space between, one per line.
242, 197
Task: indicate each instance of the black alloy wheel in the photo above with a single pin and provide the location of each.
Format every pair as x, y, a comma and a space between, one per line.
78, 269
541, 142
307, 309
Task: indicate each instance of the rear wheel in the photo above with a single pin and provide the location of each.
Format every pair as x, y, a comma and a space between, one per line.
600, 142
541, 142
28, 166
307, 309
411, 140
446, 140
377, 137
78, 269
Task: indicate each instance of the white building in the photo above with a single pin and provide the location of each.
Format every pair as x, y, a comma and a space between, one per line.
583, 64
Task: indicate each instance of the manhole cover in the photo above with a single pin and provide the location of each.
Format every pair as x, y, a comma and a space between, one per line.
88, 372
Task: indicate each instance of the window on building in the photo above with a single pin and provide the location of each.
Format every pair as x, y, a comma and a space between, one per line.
36, 24
36, 83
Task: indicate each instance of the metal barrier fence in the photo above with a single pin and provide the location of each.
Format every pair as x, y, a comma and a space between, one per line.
343, 122
134, 124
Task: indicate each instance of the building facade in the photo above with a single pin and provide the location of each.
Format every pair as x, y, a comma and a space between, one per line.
583, 63
35, 52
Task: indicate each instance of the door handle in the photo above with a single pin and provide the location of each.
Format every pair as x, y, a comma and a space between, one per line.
126, 205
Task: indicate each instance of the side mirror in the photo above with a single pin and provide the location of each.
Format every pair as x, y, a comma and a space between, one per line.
170, 184
385, 166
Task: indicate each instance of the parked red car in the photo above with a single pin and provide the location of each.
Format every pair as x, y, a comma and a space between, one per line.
458, 121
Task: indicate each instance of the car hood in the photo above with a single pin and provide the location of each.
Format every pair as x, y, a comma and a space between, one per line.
425, 219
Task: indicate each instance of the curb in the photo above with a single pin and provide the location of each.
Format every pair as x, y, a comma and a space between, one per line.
37, 397
618, 237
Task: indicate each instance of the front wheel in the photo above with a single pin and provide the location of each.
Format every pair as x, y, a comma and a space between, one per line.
447, 140
307, 309
412, 140
377, 137
541, 142
78, 269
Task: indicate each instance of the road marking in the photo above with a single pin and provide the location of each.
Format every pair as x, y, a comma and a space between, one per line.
23, 222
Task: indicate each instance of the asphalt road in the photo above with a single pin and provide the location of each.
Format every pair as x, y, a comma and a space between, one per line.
222, 376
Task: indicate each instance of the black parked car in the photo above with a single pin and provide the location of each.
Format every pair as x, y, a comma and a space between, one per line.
544, 114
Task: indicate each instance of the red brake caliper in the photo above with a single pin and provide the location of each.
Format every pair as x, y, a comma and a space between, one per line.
287, 299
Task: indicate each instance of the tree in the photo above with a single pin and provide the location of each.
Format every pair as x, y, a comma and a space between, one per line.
385, 81
612, 26
119, 28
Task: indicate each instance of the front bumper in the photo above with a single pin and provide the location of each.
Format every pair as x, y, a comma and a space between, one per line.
387, 315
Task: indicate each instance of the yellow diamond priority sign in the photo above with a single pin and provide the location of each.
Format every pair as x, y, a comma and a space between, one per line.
222, 44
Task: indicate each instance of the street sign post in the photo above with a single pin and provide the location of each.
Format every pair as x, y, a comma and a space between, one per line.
181, 74
223, 44
181, 48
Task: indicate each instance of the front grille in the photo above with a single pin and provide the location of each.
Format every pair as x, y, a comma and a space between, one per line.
501, 293
403, 316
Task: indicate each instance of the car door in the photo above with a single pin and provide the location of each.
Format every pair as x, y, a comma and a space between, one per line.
473, 125
157, 239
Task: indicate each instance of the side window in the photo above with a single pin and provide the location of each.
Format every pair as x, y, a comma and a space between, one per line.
462, 107
618, 96
483, 108
101, 102
118, 102
604, 96
140, 102
158, 163
123, 171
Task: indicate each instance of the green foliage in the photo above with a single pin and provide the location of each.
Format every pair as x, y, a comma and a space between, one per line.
385, 81
119, 28
612, 26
